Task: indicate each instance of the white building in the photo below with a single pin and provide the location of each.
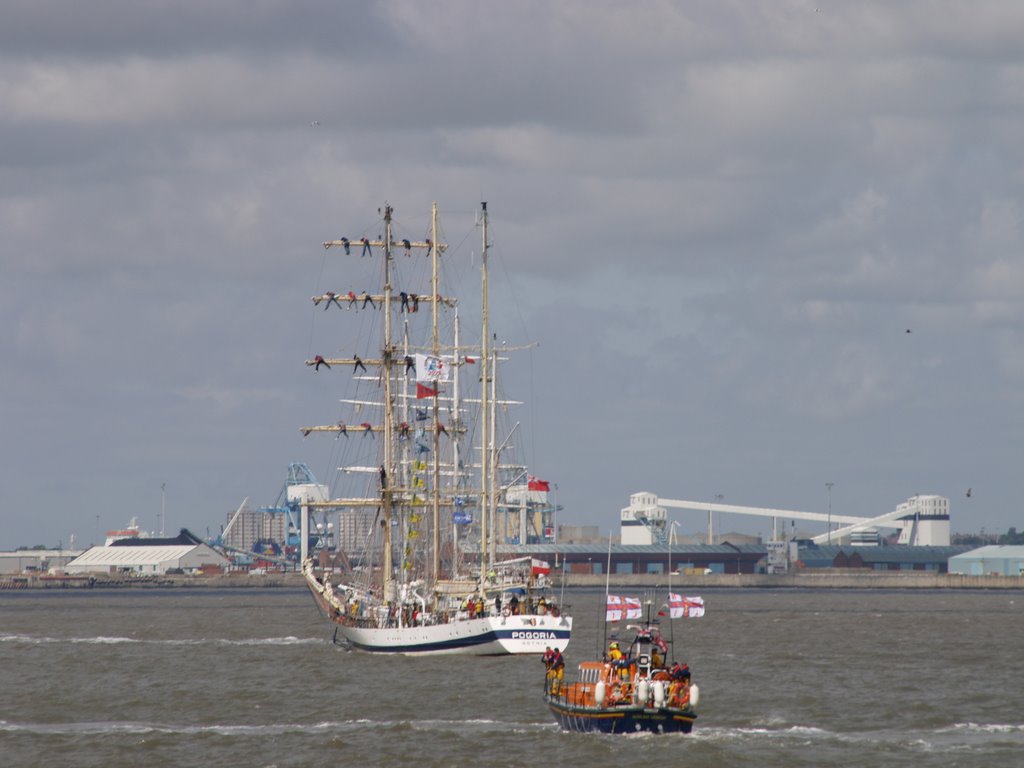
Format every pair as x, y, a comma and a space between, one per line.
1001, 560
924, 521
643, 521
148, 556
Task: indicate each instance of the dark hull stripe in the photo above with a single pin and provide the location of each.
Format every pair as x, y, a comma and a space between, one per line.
623, 720
452, 644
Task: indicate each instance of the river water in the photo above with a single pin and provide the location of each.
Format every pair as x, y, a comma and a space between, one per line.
249, 678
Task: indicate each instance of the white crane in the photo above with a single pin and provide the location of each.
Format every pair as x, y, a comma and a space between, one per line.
924, 520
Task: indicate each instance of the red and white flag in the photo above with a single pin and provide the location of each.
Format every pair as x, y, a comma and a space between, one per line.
540, 566
614, 609
634, 609
533, 484
689, 607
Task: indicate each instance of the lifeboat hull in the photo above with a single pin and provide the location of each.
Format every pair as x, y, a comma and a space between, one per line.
621, 719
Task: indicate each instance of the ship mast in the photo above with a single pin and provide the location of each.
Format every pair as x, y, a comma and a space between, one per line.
387, 469
456, 452
493, 457
392, 487
435, 350
484, 407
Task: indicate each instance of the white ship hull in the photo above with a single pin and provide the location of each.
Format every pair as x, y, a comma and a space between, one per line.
486, 636
489, 636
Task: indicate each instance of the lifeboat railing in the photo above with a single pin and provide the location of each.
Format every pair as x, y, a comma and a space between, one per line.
601, 685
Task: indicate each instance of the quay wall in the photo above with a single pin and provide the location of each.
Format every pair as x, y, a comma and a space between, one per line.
825, 578
832, 578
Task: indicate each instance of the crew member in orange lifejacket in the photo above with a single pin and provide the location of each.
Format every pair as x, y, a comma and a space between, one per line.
679, 688
557, 671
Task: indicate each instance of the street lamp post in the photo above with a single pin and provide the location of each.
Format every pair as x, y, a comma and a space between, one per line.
711, 535
829, 487
671, 534
671, 624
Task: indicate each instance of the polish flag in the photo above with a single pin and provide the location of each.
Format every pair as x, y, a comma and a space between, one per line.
540, 566
533, 484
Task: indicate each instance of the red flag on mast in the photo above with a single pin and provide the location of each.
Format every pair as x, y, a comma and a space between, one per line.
424, 390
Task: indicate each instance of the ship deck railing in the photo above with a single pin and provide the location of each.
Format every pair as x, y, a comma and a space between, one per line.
580, 694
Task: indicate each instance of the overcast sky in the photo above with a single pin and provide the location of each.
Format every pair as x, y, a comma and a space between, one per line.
719, 220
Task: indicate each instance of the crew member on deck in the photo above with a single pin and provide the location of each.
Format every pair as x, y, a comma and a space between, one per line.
558, 671
679, 688
547, 658
618, 660
614, 654
657, 662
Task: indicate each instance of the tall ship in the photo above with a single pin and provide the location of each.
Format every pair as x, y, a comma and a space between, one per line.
404, 559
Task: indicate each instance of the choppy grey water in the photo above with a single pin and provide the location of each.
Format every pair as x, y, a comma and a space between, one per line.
249, 678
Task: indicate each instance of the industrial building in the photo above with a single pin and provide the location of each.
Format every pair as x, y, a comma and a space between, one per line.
185, 553
999, 560
28, 560
644, 559
882, 558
